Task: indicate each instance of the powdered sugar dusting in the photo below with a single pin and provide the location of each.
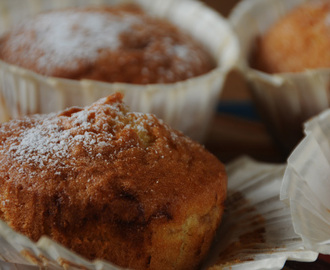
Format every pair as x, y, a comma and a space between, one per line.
55, 141
181, 51
65, 36
37, 143
105, 45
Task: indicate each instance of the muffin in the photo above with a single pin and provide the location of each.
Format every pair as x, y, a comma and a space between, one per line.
111, 44
163, 86
111, 184
297, 42
284, 63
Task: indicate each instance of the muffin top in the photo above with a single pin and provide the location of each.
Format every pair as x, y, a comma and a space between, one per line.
112, 44
298, 41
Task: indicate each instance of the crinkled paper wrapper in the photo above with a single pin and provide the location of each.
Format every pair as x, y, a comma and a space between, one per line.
187, 105
306, 184
285, 100
256, 231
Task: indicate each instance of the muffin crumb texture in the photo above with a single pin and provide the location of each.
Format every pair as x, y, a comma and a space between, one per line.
298, 41
111, 184
111, 44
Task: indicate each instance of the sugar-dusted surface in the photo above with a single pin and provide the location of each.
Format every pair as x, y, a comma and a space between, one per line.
62, 37
83, 43
67, 36
50, 138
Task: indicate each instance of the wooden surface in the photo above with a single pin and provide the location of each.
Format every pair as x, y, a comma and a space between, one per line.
232, 135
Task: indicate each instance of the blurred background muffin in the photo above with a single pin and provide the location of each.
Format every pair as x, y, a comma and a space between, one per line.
283, 62
110, 44
186, 93
298, 41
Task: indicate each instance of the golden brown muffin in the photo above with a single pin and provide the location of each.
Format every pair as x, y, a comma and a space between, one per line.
298, 41
112, 184
112, 44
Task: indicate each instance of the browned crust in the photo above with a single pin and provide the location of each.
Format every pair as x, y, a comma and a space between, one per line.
149, 199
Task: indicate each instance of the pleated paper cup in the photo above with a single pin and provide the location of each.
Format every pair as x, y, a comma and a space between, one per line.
187, 106
256, 231
306, 184
284, 100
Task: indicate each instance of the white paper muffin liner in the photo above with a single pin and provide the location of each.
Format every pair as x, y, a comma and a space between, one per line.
187, 105
256, 231
285, 100
306, 184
